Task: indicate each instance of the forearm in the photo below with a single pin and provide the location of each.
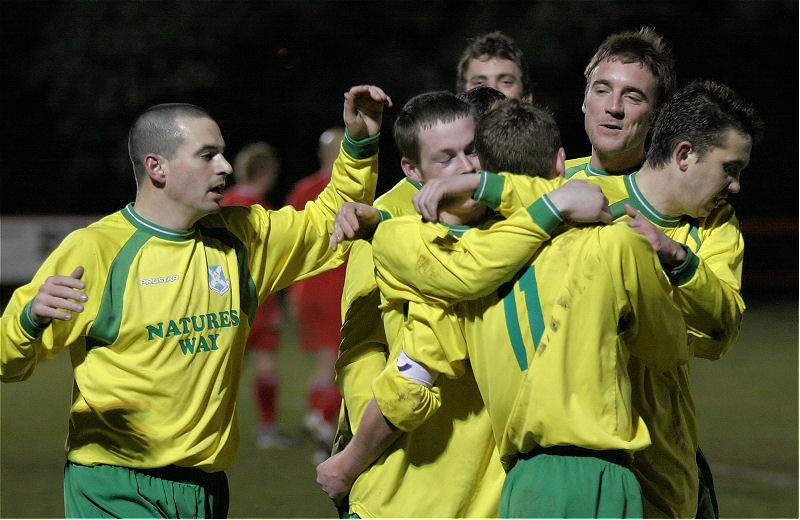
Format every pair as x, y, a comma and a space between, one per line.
374, 435
435, 267
713, 311
18, 348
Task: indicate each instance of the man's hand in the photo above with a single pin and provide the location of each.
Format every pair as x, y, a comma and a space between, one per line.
58, 294
670, 253
335, 478
354, 220
580, 201
434, 191
363, 110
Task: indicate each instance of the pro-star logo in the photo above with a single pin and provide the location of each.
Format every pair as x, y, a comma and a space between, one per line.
217, 281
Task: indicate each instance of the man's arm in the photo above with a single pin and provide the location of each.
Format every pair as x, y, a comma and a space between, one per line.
405, 395
337, 474
49, 313
575, 200
422, 262
706, 284
292, 245
650, 322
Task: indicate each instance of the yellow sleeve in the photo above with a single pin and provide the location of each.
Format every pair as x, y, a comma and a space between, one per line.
23, 342
288, 245
434, 344
418, 261
364, 348
649, 320
708, 285
509, 192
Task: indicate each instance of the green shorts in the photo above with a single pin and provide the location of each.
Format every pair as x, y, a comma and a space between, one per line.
570, 482
172, 492
706, 496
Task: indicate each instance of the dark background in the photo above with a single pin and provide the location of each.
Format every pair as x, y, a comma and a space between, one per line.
76, 74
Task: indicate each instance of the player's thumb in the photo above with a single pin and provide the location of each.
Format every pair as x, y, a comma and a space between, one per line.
78, 272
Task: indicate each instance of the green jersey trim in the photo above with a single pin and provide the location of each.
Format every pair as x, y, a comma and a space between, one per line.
490, 189
383, 215
29, 324
645, 207
685, 271
545, 214
595, 172
176, 235
575, 169
414, 183
248, 295
105, 328
360, 148
456, 230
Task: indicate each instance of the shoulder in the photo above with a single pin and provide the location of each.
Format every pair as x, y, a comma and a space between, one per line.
397, 200
573, 166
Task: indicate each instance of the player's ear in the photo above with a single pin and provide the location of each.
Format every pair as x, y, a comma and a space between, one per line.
561, 157
156, 168
680, 154
411, 170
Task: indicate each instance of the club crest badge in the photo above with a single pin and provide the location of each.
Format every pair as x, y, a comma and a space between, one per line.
217, 281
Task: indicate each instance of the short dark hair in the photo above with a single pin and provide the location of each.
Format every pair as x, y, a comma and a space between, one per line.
424, 111
517, 136
495, 44
701, 113
644, 46
155, 131
480, 99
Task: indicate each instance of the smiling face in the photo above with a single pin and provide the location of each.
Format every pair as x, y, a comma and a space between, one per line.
498, 73
619, 109
708, 180
194, 178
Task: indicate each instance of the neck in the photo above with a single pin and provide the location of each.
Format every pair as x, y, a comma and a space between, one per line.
164, 215
617, 162
465, 218
657, 186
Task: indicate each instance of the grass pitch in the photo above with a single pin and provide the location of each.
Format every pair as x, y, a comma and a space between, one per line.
747, 413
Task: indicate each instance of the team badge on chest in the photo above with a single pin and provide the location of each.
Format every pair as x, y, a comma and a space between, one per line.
217, 281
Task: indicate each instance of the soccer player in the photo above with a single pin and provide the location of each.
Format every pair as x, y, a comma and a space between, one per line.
700, 145
569, 390
628, 79
364, 347
316, 302
434, 133
494, 59
255, 169
157, 310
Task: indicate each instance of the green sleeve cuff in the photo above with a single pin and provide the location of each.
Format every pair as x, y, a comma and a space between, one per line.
29, 324
384, 215
685, 271
490, 189
545, 214
360, 148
